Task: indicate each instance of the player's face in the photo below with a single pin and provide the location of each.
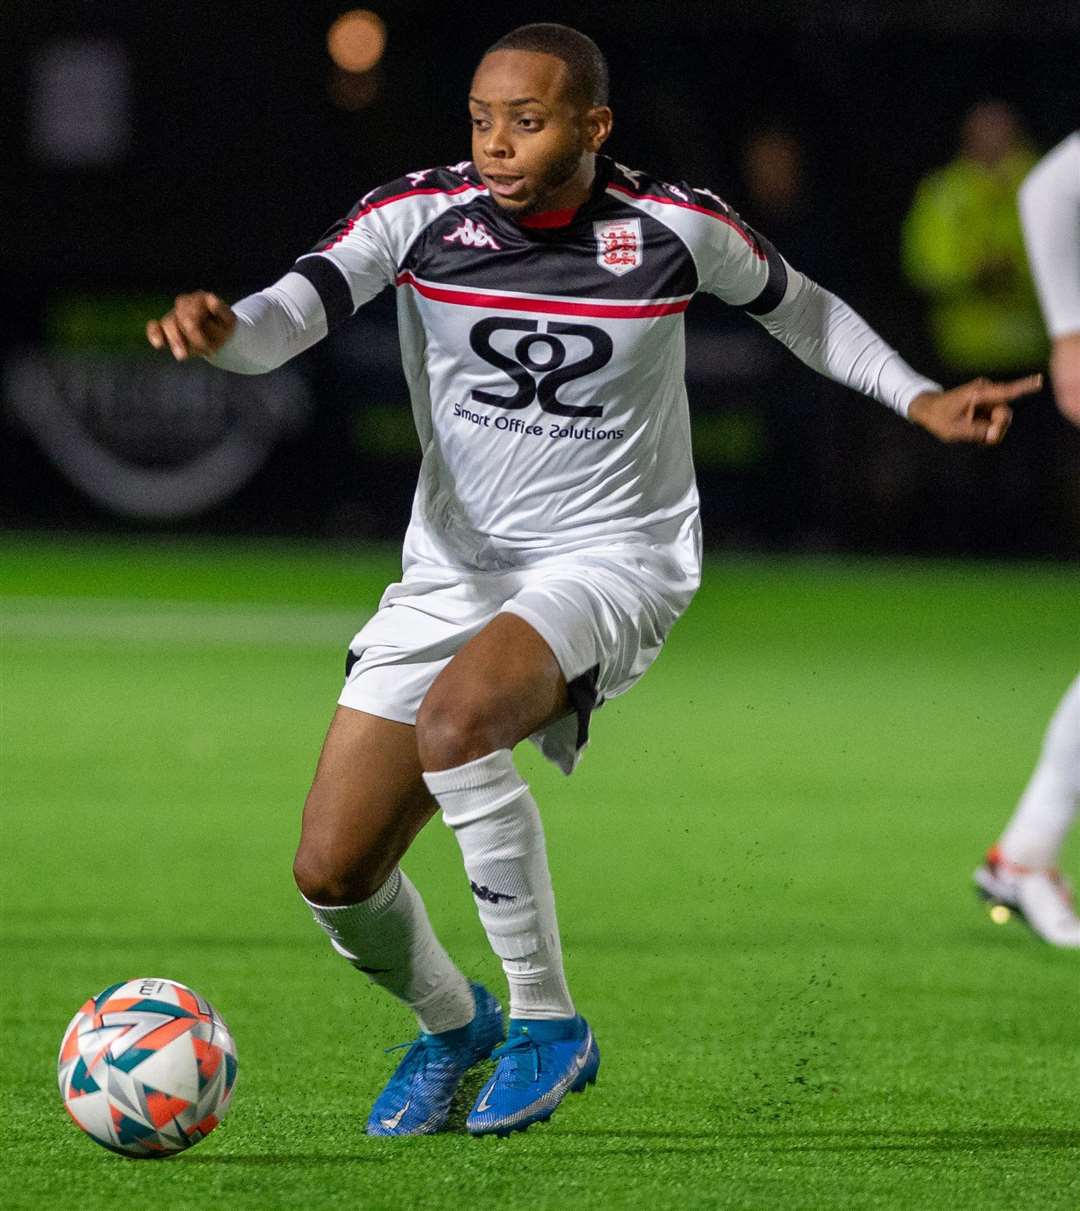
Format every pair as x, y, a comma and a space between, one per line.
532, 145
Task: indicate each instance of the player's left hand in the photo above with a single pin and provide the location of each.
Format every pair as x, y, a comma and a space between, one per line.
977, 412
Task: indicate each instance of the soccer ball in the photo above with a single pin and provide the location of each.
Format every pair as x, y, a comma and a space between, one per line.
147, 1068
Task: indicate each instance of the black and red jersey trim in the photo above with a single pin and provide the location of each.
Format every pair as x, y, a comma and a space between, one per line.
482, 273
610, 310
733, 223
340, 230
330, 282
772, 295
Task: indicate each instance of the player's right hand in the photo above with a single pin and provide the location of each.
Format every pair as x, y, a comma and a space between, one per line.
199, 324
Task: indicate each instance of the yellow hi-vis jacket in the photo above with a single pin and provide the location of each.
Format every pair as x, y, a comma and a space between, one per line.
963, 246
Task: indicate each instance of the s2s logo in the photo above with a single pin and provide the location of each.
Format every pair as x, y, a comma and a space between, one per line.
539, 367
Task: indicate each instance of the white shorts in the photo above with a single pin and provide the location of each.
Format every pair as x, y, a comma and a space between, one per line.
604, 613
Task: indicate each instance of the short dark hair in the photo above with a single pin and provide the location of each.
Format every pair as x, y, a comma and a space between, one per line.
585, 62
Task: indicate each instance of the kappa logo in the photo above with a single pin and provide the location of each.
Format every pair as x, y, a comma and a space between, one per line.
618, 245
492, 897
472, 235
417, 179
634, 175
708, 193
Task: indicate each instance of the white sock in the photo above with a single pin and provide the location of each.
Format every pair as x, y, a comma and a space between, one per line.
495, 819
390, 939
1035, 834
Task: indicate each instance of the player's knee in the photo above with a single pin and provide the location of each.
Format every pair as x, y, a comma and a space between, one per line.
452, 729
331, 879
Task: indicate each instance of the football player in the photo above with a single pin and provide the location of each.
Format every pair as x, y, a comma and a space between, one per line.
554, 537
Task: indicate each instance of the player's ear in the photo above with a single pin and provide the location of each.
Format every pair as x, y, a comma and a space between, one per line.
598, 123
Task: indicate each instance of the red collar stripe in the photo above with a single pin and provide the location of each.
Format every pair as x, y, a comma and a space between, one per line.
550, 218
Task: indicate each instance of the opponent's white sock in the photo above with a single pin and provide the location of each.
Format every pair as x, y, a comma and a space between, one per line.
495, 819
1047, 808
389, 938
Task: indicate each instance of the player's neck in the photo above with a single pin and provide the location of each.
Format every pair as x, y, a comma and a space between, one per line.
562, 205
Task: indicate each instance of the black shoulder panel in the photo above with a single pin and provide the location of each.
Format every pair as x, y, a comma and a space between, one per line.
448, 179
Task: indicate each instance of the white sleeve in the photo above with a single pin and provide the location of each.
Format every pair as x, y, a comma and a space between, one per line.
273, 326
833, 339
740, 266
350, 265
1050, 212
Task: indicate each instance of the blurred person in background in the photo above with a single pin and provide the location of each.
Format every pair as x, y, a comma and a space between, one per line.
962, 247
1020, 871
780, 198
555, 536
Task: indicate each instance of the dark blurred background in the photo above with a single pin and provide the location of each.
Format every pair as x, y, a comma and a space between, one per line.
154, 148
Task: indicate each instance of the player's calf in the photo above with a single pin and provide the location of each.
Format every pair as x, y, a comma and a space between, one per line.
367, 803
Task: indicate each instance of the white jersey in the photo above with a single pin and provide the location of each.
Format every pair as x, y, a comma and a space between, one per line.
545, 364
1050, 210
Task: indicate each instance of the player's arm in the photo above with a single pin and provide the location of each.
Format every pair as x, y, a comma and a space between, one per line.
256, 335
349, 265
1050, 213
833, 339
743, 268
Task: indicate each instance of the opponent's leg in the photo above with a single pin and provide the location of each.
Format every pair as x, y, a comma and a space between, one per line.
1035, 834
366, 805
502, 686
1020, 871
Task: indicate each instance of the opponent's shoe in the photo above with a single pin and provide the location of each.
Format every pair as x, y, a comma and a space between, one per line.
1040, 896
539, 1064
416, 1100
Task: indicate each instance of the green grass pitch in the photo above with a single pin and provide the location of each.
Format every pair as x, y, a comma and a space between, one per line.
762, 867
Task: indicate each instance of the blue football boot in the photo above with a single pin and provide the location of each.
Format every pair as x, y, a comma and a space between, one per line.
539, 1064
416, 1100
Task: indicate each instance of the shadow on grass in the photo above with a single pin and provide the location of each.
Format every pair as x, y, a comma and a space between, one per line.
711, 1143
862, 1139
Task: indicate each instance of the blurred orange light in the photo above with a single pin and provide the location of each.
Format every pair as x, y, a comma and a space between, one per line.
356, 40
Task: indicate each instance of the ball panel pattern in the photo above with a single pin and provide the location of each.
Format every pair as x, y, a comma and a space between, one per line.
147, 1068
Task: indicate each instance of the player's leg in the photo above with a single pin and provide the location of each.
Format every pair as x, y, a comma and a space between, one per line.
1035, 834
506, 684
366, 805
1021, 870
502, 686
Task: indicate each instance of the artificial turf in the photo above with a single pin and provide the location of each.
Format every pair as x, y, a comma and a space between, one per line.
762, 867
